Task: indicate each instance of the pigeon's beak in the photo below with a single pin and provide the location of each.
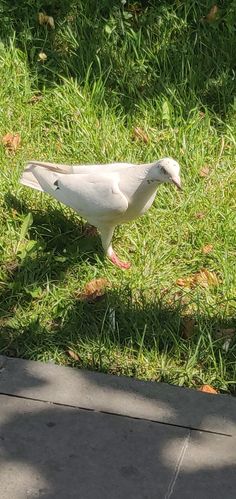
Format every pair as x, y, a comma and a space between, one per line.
176, 181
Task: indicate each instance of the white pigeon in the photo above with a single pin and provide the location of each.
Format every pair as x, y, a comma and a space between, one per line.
105, 195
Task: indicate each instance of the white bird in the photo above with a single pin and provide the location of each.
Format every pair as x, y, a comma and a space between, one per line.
105, 195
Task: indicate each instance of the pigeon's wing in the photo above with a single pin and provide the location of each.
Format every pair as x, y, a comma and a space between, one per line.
28, 178
71, 169
97, 198
110, 167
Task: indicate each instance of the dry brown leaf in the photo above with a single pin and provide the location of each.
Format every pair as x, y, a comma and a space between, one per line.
207, 249
73, 355
94, 290
187, 329
226, 332
135, 8
207, 389
184, 282
139, 134
42, 56
212, 14
58, 145
205, 278
11, 141
44, 19
200, 215
35, 98
204, 172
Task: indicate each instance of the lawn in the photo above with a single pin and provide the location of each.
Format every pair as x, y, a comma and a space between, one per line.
121, 81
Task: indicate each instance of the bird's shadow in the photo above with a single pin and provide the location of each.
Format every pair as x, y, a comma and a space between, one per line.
59, 233
56, 243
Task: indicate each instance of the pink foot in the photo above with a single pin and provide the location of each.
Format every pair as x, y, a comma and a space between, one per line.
122, 265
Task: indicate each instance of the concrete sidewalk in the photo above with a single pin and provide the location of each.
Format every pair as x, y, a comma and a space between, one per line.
68, 433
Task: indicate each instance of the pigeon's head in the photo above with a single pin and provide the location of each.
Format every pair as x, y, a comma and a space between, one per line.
169, 171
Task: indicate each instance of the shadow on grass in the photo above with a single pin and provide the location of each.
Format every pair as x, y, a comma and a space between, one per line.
169, 49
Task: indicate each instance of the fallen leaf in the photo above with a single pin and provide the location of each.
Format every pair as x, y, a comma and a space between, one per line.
11, 141
200, 215
205, 278
73, 355
135, 8
204, 172
184, 282
35, 98
42, 56
226, 332
212, 14
139, 134
94, 290
187, 327
207, 249
207, 389
44, 19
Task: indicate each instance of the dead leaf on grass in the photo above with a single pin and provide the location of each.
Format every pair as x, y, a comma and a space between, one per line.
202, 114
205, 278
73, 355
94, 290
184, 282
135, 8
227, 332
187, 327
200, 215
45, 19
207, 249
207, 389
35, 98
213, 14
11, 141
204, 172
139, 134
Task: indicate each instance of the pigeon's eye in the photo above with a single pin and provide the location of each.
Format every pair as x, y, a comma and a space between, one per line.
163, 170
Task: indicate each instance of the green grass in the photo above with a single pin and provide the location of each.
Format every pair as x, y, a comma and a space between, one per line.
109, 69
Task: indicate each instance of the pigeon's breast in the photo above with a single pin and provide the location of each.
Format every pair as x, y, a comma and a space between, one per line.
138, 205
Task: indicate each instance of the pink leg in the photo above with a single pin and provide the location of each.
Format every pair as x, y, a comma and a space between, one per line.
114, 259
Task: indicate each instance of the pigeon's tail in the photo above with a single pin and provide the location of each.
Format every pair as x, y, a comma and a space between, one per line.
28, 177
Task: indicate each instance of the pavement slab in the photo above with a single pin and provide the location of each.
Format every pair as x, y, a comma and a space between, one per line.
61, 452
67, 433
208, 468
158, 402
